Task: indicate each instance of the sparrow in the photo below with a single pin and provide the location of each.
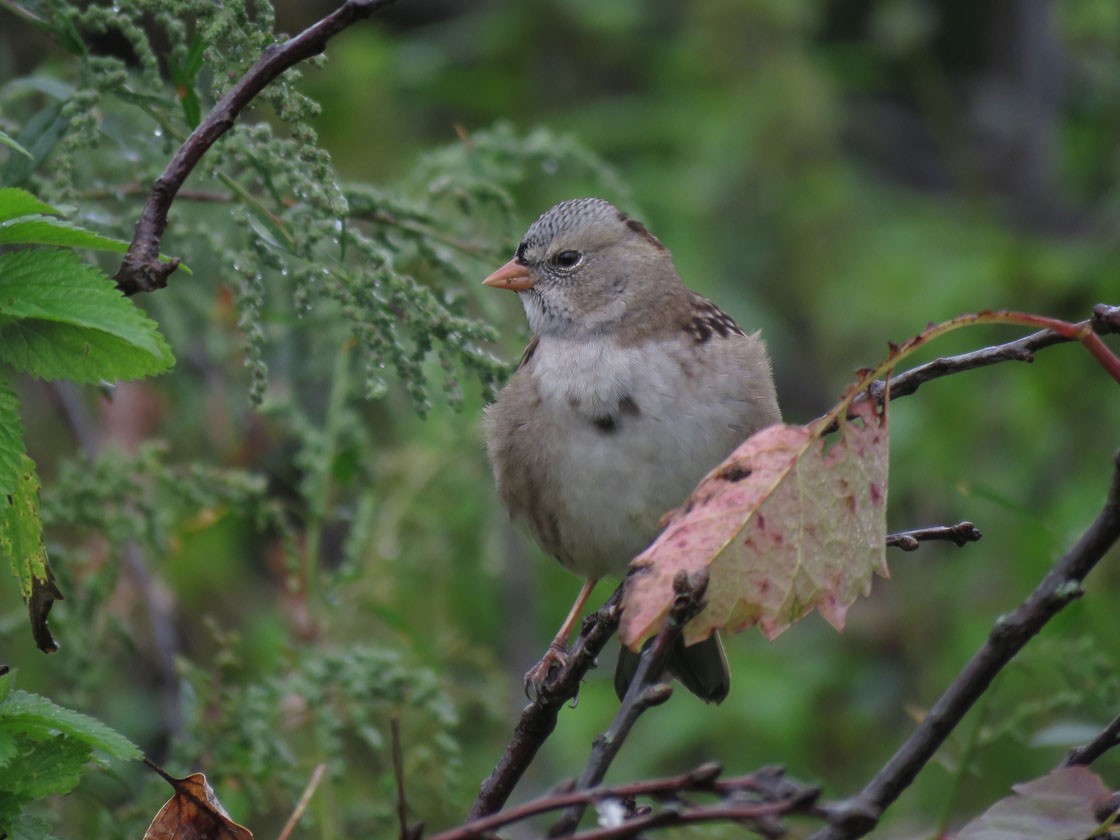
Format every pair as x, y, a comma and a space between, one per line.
630, 390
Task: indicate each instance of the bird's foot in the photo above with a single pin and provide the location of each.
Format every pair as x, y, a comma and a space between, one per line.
555, 659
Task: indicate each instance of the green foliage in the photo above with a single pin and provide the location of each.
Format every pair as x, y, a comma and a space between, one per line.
59, 319
279, 574
43, 750
335, 706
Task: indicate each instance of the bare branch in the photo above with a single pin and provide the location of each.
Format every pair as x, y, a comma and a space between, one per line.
141, 270
406, 831
1108, 738
859, 815
539, 718
961, 533
756, 799
1105, 320
304, 800
646, 691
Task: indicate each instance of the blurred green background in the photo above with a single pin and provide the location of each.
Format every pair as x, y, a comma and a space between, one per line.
837, 174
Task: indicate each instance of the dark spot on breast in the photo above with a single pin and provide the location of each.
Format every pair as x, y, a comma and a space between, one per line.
735, 472
605, 423
627, 406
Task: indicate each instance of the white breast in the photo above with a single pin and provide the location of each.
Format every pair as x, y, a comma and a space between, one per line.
672, 421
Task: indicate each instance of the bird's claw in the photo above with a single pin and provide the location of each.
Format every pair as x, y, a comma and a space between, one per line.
538, 677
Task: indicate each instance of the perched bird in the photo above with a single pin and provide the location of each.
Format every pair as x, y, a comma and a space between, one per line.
631, 389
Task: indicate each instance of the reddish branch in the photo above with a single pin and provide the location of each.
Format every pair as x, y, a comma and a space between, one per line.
1104, 321
141, 270
961, 533
859, 815
757, 800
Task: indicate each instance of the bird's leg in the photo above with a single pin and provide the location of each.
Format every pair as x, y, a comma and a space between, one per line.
557, 654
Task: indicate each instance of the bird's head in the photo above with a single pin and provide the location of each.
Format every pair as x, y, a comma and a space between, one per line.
583, 267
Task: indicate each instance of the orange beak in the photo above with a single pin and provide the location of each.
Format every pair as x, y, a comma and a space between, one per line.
513, 275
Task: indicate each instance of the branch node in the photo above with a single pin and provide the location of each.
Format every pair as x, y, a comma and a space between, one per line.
1105, 318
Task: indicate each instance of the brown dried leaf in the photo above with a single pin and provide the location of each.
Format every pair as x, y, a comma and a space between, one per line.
783, 526
194, 813
1058, 806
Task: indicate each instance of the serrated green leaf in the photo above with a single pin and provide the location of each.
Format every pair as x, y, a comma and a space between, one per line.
36, 716
8, 749
15, 202
21, 539
62, 318
9, 141
50, 350
22, 826
25, 220
11, 439
45, 766
44, 230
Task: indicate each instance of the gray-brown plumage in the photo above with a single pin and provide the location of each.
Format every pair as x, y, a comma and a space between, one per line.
630, 390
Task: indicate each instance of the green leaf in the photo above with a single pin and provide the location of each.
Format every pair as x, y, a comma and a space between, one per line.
9, 141
37, 717
22, 826
43, 230
61, 318
39, 136
8, 748
192, 108
15, 202
44, 767
21, 538
195, 54
25, 220
11, 439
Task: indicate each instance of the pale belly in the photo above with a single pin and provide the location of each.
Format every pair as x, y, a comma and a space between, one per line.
622, 483
611, 440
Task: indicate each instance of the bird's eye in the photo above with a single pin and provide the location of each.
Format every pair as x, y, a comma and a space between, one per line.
566, 259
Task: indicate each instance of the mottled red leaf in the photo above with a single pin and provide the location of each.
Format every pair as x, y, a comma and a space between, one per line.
786, 524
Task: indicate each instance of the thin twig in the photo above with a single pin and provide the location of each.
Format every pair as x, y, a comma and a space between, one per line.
646, 690
407, 832
304, 801
538, 719
1062, 584
141, 270
1105, 320
771, 792
1106, 739
961, 534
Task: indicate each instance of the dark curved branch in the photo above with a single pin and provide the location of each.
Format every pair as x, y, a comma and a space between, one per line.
1108, 738
961, 533
1104, 321
141, 270
646, 691
539, 718
756, 799
859, 815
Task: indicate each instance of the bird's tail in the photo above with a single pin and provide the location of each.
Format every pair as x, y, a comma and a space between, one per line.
701, 668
